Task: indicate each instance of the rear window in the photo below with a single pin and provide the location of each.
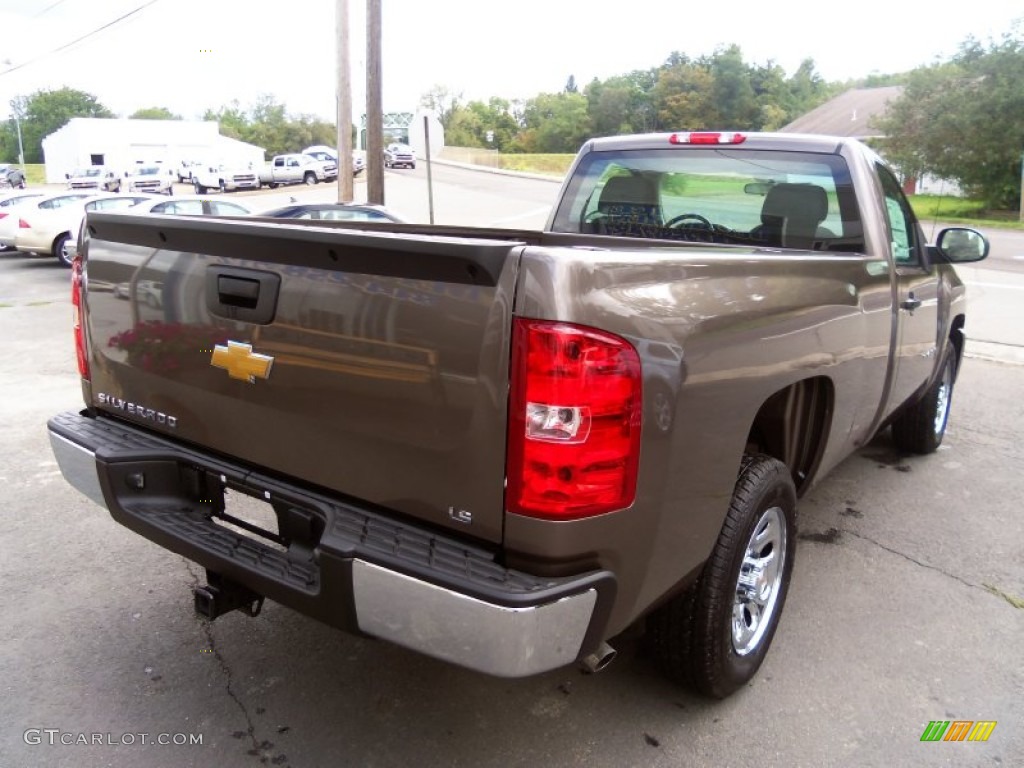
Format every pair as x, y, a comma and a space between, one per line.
718, 195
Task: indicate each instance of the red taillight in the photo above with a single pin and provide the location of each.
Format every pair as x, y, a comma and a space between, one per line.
3, 214
574, 421
22, 224
76, 305
707, 137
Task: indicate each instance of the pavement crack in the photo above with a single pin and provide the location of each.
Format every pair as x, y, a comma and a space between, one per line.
915, 561
211, 647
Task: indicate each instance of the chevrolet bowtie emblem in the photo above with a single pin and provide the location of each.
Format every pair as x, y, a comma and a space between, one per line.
241, 362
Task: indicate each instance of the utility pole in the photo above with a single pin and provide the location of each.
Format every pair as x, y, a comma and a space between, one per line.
344, 98
374, 108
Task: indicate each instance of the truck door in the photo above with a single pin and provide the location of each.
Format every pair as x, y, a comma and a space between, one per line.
917, 300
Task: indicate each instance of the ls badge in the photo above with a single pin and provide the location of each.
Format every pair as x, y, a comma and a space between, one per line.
241, 362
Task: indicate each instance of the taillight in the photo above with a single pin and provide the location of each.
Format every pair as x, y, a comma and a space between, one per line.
574, 421
76, 305
707, 137
22, 224
3, 214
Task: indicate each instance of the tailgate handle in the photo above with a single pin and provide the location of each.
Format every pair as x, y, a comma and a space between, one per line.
248, 295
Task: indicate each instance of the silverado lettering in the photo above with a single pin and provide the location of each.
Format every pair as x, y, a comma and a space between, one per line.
630, 402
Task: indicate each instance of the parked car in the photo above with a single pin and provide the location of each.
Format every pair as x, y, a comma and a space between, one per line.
53, 230
95, 177
34, 209
297, 169
185, 170
150, 178
12, 177
328, 155
193, 205
223, 177
399, 154
334, 212
9, 201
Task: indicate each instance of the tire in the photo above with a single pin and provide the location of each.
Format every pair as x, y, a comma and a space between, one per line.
199, 188
170, 191
58, 249
309, 179
713, 637
921, 427
223, 187
272, 185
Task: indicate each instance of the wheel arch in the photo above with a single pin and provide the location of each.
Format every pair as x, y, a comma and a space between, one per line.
793, 426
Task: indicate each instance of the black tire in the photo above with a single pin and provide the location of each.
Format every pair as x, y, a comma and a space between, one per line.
223, 187
693, 637
199, 188
309, 179
58, 249
921, 427
170, 190
272, 185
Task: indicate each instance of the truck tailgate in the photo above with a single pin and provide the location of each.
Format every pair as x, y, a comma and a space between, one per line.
369, 364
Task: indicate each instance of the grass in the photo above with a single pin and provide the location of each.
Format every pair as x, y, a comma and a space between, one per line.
553, 165
959, 210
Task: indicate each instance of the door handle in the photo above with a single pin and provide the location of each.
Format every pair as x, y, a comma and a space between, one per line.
910, 303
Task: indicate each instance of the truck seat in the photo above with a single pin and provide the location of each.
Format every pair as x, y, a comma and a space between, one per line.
791, 215
627, 204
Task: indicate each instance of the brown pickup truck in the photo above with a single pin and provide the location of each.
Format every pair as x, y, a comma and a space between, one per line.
503, 448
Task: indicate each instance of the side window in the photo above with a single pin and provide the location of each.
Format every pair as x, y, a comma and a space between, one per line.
226, 209
48, 205
162, 208
902, 224
279, 162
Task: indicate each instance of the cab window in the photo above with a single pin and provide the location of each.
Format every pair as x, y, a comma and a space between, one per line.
902, 224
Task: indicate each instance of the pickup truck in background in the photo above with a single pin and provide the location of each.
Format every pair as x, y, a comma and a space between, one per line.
154, 178
97, 177
207, 176
329, 155
297, 169
504, 448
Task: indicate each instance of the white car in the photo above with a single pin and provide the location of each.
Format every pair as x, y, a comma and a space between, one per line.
224, 178
150, 178
9, 201
21, 215
328, 155
50, 225
193, 205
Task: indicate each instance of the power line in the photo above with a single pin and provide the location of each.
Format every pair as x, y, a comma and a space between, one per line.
78, 40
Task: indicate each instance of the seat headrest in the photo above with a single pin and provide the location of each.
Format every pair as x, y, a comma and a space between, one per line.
629, 190
804, 202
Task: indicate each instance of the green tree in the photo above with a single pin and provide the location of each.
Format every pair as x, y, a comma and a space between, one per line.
153, 113
470, 125
231, 119
44, 112
554, 122
964, 120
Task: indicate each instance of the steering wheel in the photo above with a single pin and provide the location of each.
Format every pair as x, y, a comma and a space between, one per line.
675, 221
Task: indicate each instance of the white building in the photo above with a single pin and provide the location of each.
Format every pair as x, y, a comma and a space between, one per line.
120, 144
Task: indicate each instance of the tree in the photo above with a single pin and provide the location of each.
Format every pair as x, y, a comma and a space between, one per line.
442, 102
44, 112
964, 120
153, 113
554, 122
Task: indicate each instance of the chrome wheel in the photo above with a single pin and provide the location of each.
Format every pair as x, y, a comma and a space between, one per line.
760, 578
942, 400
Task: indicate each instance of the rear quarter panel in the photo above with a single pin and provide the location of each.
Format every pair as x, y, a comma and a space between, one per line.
741, 326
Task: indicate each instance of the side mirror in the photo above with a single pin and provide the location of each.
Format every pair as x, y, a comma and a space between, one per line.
961, 245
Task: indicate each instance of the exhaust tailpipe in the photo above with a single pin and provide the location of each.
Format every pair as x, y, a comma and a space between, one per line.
599, 659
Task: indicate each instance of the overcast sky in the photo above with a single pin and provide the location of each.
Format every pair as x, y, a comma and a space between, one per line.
189, 55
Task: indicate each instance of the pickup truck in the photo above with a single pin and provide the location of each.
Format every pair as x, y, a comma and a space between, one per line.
97, 177
154, 178
504, 448
206, 177
297, 169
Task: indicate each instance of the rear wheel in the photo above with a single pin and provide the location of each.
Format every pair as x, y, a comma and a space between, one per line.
199, 188
921, 427
714, 636
60, 249
309, 179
